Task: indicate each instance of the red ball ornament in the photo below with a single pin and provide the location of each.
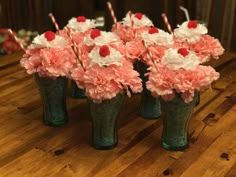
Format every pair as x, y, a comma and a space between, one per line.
49, 35
153, 30
104, 51
139, 16
192, 24
81, 19
95, 33
183, 51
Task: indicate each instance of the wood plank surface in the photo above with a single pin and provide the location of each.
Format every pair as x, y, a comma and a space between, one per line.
28, 148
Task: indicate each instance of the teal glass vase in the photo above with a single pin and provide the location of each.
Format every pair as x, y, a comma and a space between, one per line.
53, 96
77, 92
104, 122
198, 98
150, 106
175, 122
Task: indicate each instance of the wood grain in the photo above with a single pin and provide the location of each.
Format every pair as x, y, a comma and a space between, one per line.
28, 148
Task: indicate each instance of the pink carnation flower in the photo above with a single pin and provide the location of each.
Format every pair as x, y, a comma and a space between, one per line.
160, 80
127, 33
124, 32
58, 62
31, 61
206, 48
49, 62
99, 83
129, 78
179, 72
166, 83
134, 49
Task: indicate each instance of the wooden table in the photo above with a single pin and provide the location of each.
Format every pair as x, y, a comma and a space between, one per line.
30, 149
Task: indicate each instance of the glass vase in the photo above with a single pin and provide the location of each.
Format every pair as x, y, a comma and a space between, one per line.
53, 96
175, 122
77, 92
198, 98
104, 122
150, 106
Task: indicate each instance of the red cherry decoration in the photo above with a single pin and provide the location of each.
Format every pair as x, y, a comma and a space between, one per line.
192, 24
153, 30
81, 19
49, 35
183, 51
95, 33
104, 51
139, 16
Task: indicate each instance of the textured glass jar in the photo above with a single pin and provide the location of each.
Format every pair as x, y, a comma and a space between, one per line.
53, 96
77, 92
104, 120
175, 122
150, 106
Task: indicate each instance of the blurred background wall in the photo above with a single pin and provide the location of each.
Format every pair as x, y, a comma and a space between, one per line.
219, 15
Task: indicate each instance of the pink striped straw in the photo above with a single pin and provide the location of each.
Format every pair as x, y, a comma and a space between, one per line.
148, 51
112, 12
76, 50
73, 42
54, 21
131, 20
167, 23
17, 40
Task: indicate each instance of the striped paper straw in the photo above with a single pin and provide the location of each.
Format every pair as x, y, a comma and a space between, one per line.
131, 19
167, 23
148, 51
73, 42
54, 21
112, 12
76, 50
17, 40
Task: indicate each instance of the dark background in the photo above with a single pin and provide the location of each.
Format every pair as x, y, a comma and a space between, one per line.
33, 14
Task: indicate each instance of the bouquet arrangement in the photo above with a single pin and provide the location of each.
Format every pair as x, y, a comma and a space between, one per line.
179, 72
178, 69
50, 58
49, 55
